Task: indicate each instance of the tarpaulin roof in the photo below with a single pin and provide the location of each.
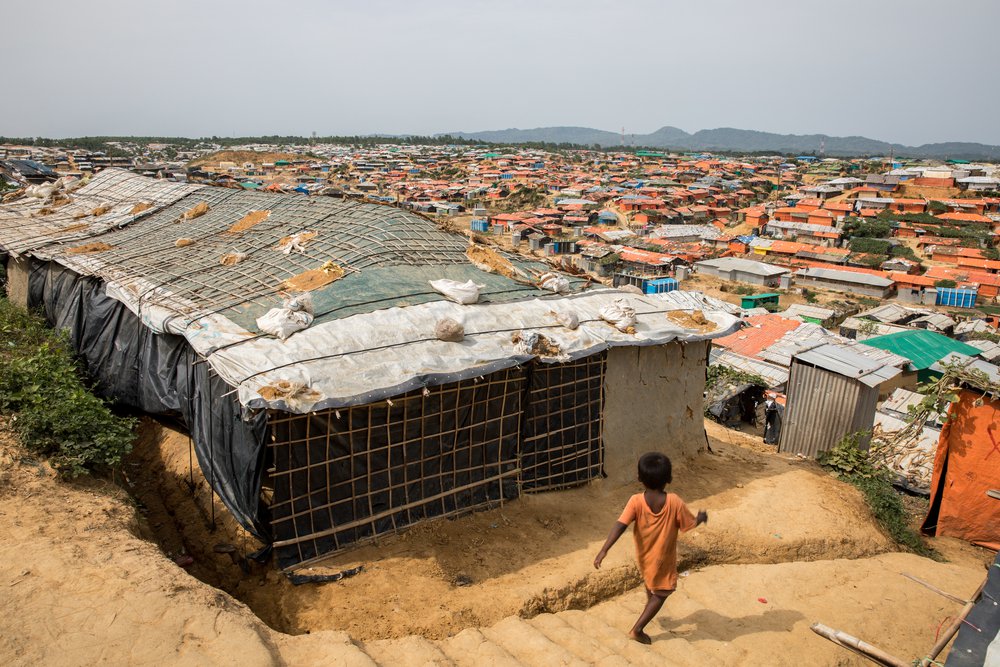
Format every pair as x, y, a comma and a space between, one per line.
205, 263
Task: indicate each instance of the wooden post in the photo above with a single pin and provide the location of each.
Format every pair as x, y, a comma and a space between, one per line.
863, 648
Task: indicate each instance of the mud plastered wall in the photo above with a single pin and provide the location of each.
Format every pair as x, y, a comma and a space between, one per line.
652, 402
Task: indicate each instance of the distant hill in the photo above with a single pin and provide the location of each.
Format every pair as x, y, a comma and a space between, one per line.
737, 141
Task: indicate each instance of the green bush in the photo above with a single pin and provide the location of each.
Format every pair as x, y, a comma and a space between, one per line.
853, 465
870, 246
719, 374
869, 229
945, 282
53, 411
903, 251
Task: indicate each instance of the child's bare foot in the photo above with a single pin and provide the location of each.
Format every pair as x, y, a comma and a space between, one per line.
640, 637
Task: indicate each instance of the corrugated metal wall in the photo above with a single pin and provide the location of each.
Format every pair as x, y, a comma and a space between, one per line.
822, 408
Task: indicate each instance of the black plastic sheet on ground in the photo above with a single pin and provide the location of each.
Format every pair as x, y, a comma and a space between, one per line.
979, 637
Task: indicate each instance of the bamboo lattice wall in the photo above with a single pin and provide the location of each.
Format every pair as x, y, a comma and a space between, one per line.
340, 477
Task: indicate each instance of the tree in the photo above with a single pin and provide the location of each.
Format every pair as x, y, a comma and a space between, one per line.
936, 207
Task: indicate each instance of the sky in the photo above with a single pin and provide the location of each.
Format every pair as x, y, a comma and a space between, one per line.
906, 71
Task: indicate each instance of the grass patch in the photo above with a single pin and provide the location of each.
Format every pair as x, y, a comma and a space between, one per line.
852, 464
53, 410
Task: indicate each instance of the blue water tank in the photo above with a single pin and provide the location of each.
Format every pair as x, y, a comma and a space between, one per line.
660, 286
956, 297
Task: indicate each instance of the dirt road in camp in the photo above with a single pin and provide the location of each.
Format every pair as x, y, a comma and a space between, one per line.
80, 585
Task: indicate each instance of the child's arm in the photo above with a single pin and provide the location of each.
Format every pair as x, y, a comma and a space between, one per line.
616, 531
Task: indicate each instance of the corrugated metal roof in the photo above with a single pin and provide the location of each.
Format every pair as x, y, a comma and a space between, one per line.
989, 350
992, 371
856, 324
938, 321
774, 374
743, 265
844, 277
761, 332
805, 310
890, 313
842, 360
901, 400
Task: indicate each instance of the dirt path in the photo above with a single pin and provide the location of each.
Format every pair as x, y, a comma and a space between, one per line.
81, 587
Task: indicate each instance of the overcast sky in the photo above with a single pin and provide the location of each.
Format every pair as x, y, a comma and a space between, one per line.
910, 71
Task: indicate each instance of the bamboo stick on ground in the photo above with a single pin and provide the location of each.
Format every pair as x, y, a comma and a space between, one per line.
937, 590
863, 648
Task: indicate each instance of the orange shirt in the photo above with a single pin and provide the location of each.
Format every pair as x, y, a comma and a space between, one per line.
655, 535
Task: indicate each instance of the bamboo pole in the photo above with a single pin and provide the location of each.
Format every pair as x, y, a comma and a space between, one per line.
953, 628
937, 590
863, 648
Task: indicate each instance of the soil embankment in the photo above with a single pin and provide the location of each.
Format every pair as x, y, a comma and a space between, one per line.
81, 585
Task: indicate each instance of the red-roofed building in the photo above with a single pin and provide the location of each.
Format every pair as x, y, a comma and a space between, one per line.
821, 217
762, 332
965, 217
989, 283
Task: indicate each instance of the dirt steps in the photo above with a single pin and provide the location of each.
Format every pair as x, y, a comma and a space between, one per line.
570, 638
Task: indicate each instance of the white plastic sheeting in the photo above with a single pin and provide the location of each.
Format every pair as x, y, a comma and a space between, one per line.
365, 358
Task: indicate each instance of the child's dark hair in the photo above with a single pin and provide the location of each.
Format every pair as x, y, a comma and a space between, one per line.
655, 471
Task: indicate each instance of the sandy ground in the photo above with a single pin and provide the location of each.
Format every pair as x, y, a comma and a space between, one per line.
81, 586
530, 556
711, 285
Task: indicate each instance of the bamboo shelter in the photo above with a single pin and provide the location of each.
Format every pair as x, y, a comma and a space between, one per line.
362, 417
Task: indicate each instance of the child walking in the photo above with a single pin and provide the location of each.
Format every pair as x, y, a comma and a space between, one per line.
658, 516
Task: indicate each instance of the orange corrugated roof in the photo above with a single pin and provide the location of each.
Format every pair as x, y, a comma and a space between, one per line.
838, 206
967, 275
645, 256
960, 252
964, 217
762, 332
976, 263
910, 279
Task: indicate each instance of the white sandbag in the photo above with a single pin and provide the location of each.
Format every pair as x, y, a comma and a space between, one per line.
553, 282
631, 289
40, 191
524, 342
463, 293
283, 322
449, 330
618, 314
301, 303
296, 242
569, 319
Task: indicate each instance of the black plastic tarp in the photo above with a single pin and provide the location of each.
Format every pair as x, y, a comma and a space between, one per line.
160, 374
979, 638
